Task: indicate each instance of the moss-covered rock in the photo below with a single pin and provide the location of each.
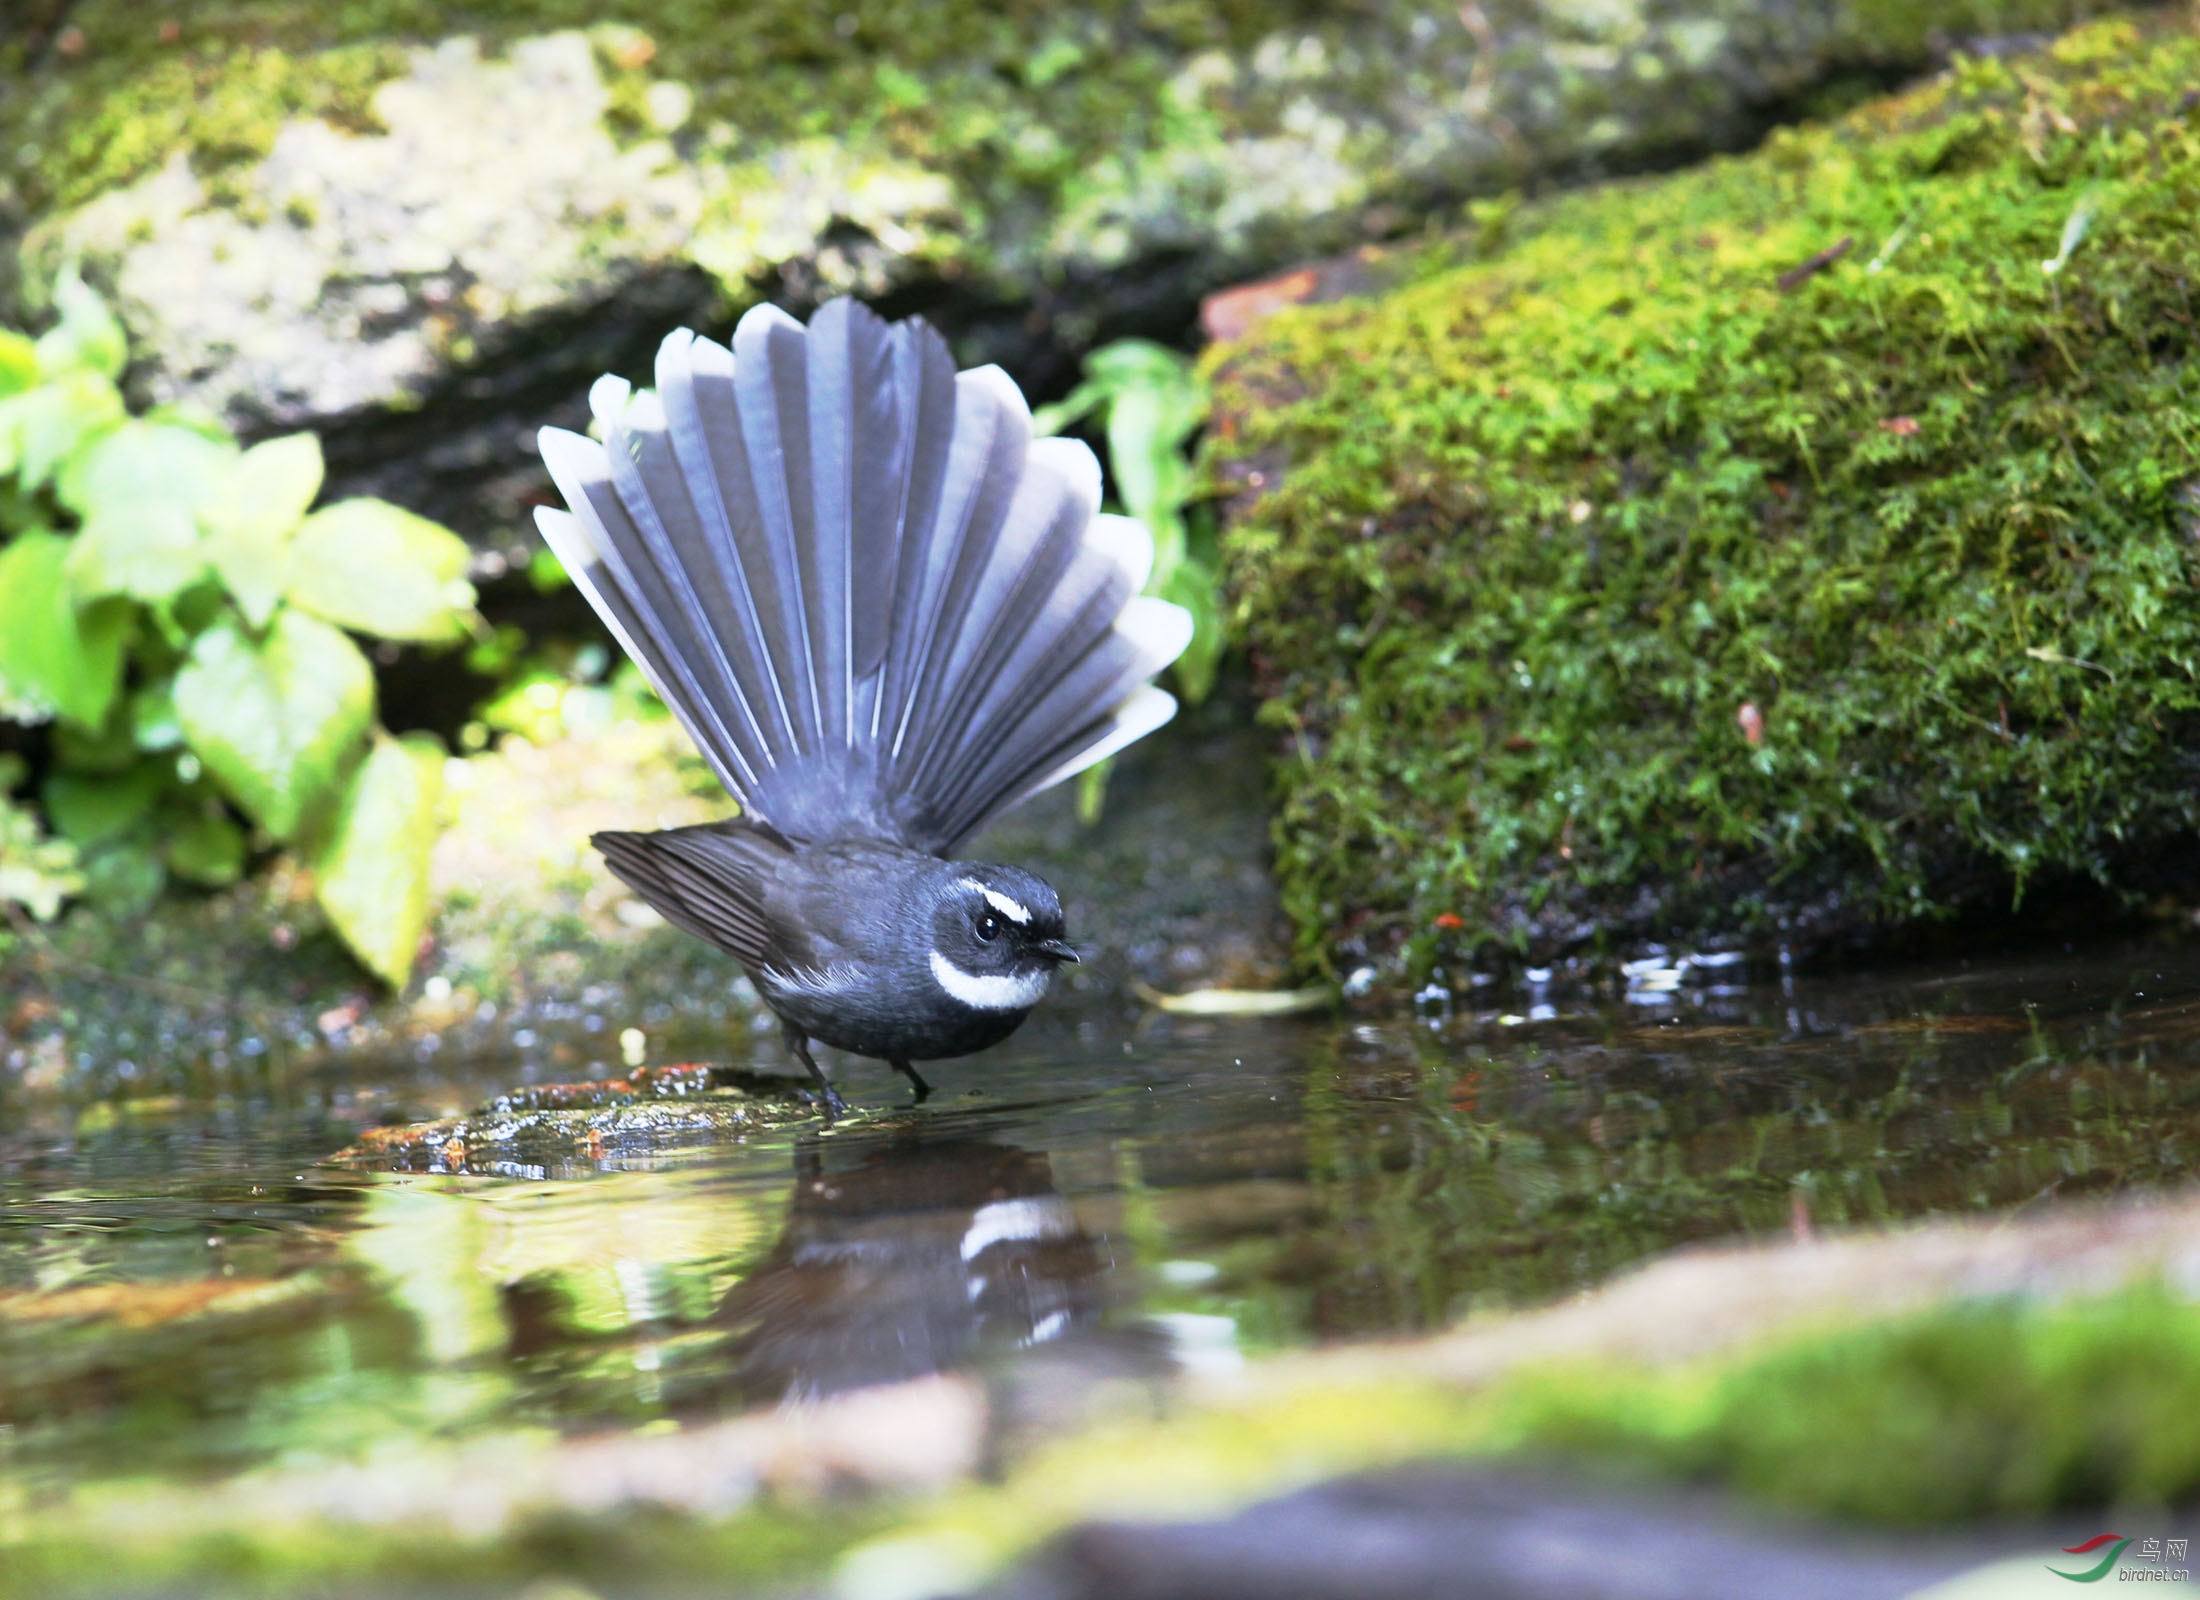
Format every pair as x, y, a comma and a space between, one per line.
1803, 544
315, 211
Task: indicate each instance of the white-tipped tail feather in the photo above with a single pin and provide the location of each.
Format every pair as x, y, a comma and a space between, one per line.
871, 597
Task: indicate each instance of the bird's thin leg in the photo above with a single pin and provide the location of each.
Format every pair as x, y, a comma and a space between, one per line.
799, 1043
924, 1090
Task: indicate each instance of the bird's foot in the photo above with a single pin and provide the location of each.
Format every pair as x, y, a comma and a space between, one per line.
916, 1079
827, 1095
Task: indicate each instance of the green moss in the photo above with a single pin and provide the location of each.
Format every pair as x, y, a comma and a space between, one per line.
624, 1552
132, 101
1073, 139
1559, 510
1973, 1410
934, 82
1968, 1410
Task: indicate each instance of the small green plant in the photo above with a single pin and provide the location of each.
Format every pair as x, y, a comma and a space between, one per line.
36, 873
1152, 403
176, 610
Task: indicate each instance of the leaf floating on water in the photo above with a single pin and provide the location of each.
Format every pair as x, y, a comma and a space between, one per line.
1238, 1002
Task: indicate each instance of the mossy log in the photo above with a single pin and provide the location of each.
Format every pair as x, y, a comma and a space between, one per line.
1798, 547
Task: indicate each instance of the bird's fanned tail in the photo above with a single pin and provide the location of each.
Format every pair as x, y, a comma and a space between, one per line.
872, 598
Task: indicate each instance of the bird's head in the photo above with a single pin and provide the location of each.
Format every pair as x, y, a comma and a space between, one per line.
996, 936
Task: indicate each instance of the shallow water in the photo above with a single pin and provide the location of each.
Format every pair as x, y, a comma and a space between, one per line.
188, 1287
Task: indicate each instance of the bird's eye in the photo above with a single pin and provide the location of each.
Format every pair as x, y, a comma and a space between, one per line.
989, 927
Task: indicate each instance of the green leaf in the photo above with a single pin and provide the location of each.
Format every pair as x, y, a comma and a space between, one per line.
139, 490
144, 460
53, 655
377, 568
105, 750
89, 811
1195, 588
1080, 403
88, 337
18, 362
153, 724
36, 873
274, 719
124, 876
193, 420
372, 873
1155, 404
1151, 472
544, 574
43, 426
148, 551
1092, 791
272, 485
252, 517
202, 845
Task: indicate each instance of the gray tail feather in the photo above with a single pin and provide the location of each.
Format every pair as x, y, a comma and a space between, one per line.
871, 597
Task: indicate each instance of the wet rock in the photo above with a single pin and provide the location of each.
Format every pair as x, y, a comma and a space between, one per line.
566, 1129
1460, 1533
1644, 564
358, 267
316, 222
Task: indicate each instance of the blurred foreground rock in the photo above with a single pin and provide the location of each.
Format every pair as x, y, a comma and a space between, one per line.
1443, 1532
1146, 1493
427, 246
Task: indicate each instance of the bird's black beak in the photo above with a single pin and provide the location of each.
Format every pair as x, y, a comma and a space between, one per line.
1056, 950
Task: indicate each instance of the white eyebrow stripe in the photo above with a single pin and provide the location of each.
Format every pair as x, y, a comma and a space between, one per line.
989, 992
1012, 909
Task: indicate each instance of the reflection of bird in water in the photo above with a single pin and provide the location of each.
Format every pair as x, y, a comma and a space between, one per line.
907, 1257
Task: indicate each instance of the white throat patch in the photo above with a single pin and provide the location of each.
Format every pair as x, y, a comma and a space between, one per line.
989, 991
1007, 906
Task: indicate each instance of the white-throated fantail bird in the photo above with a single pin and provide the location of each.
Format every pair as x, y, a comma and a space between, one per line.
885, 613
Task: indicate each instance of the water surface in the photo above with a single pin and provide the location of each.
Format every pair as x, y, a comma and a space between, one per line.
194, 1285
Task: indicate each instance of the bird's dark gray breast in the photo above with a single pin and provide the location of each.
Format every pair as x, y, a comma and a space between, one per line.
851, 957
884, 1016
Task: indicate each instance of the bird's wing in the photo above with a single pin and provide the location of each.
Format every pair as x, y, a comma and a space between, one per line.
874, 600
709, 880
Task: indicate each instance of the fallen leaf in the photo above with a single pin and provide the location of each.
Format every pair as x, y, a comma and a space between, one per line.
1238, 1002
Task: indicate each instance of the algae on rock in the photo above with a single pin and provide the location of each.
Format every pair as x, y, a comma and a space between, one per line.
1802, 545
